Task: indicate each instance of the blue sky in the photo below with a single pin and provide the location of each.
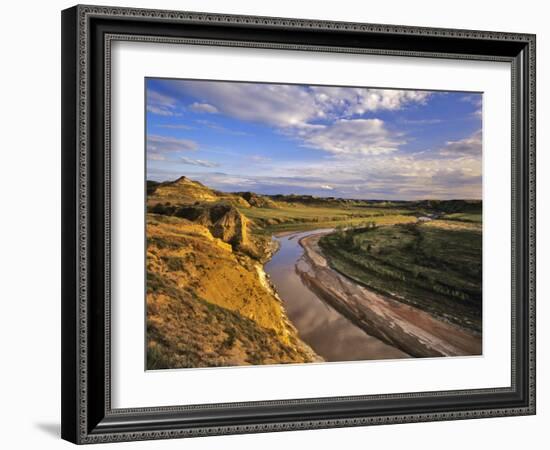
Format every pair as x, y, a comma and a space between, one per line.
320, 140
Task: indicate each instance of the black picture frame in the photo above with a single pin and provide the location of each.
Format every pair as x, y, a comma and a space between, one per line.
87, 32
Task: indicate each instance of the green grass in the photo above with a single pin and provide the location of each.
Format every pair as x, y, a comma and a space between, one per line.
463, 217
296, 217
437, 270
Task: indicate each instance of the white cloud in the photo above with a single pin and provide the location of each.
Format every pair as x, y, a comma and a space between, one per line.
322, 117
357, 101
276, 105
421, 121
396, 175
386, 175
158, 145
294, 105
160, 104
198, 162
155, 156
352, 136
203, 108
176, 126
477, 101
470, 145
220, 129
260, 158
474, 99
227, 182
159, 110
332, 120
381, 177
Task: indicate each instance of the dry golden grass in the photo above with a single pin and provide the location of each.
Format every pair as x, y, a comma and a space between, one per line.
186, 331
454, 225
193, 278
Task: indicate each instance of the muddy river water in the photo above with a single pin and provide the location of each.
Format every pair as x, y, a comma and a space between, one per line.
324, 329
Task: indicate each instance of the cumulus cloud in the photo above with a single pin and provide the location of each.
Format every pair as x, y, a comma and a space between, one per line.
322, 117
276, 105
158, 146
358, 101
203, 108
470, 145
352, 136
294, 105
227, 182
477, 101
220, 129
259, 158
360, 156
421, 121
155, 156
382, 177
176, 126
160, 104
394, 175
198, 162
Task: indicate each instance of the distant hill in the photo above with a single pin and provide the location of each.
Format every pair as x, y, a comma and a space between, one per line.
257, 200
311, 200
449, 206
441, 206
186, 191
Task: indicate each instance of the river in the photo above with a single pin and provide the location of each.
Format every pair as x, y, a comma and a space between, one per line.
324, 329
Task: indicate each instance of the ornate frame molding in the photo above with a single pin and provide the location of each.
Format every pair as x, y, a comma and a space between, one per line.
80, 418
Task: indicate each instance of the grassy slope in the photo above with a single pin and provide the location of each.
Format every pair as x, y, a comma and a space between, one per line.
206, 305
464, 217
295, 213
184, 330
434, 266
297, 217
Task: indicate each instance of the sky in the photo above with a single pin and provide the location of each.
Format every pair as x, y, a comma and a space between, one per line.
347, 142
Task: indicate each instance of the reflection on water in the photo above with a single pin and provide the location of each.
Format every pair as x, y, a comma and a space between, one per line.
324, 329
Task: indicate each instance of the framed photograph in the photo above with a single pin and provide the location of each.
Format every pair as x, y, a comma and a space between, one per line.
280, 224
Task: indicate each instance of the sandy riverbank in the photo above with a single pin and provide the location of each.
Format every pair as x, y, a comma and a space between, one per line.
414, 331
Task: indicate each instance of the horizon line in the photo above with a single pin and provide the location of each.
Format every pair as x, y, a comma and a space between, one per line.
321, 197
